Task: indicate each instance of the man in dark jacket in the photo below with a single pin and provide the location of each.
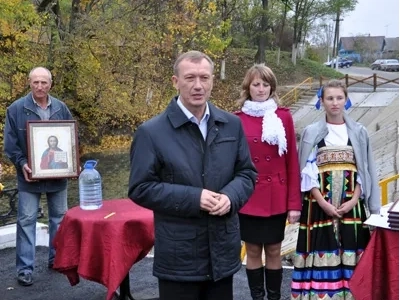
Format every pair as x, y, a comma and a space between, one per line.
191, 165
37, 105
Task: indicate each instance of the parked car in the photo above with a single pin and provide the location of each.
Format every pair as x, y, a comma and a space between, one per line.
385, 65
390, 65
376, 65
343, 63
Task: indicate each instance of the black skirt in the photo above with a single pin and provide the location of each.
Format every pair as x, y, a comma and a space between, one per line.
262, 230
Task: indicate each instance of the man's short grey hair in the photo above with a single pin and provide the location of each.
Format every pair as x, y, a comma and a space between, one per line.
193, 56
47, 70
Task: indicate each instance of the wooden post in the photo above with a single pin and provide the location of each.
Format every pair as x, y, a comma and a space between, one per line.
374, 82
346, 78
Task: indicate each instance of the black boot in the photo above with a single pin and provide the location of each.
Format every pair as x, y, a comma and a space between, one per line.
273, 281
256, 283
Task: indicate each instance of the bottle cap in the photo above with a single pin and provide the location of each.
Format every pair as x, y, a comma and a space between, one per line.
90, 164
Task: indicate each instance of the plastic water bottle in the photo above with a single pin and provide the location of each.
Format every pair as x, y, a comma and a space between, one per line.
90, 193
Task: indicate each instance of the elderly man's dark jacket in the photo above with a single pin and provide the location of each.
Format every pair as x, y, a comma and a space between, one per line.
170, 166
15, 140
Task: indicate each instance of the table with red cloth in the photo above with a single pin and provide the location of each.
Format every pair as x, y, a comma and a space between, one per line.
376, 276
102, 245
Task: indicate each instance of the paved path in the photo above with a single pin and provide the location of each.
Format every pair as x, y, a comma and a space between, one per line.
50, 285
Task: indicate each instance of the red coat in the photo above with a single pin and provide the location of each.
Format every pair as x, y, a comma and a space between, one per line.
278, 182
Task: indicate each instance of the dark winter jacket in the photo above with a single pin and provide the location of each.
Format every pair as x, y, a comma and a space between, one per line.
15, 140
170, 166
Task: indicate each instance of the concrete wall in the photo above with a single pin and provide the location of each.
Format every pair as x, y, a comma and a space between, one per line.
8, 235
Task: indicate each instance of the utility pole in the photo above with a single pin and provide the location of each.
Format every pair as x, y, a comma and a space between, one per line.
335, 51
327, 38
386, 26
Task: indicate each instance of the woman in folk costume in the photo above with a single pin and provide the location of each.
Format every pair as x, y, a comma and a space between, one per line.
338, 178
272, 141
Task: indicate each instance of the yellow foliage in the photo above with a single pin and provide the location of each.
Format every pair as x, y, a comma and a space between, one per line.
108, 143
8, 168
212, 7
16, 17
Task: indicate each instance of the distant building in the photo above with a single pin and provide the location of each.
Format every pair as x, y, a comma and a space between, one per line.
362, 48
391, 48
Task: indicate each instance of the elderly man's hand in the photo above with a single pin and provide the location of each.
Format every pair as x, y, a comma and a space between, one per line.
26, 171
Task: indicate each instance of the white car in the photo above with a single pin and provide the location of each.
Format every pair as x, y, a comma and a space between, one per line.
390, 65
385, 65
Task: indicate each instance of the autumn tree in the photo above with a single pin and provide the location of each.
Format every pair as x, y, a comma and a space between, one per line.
286, 8
18, 23
338, 8
227, 9
262, 33
17, 18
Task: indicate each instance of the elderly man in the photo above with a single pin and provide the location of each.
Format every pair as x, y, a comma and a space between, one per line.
191, 165
37, 105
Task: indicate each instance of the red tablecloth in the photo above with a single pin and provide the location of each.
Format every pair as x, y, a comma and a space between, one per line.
376, 276
103, 249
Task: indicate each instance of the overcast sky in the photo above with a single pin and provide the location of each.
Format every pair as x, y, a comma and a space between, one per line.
374, 17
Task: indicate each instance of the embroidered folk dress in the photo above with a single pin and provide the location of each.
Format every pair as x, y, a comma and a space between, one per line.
328, 248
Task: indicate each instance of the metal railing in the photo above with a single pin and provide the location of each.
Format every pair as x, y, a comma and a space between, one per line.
294, 93
373, 81
384, 188
8, 205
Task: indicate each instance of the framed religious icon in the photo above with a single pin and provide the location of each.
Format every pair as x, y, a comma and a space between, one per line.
53, 150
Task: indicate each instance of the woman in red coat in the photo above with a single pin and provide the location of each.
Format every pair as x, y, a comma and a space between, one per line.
270, 133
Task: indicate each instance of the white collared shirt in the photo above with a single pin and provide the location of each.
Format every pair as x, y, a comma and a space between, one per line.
203, 122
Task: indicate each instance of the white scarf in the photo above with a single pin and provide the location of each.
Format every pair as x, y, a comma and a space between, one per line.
273, 131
